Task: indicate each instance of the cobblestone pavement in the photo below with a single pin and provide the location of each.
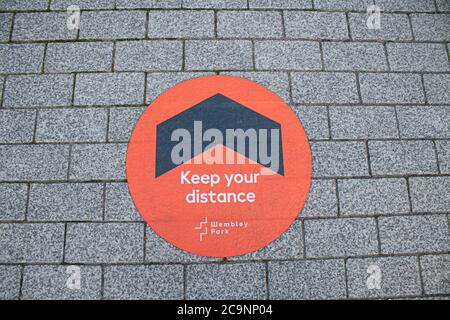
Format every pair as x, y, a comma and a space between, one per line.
375, 105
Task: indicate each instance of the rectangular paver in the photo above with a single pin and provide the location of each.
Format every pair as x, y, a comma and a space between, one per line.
5, 26
343, 159
109, 89
363, 122
79, 57
373, 196
218, 55
314, 120
342, 4
147, 4
13, 201
10, 282
98, 161
435, 273
249, 24
402, 157
280, 4
393, 27
437, 87
418, 57
391, 88
21, 58
287, 55
143, 282
31, 242
33, 162
65, 202
443, 5
315, 25
104, 242
226, 281
340, 237
122, 122
362, 56
430, 194
17, 126
181, 24
324, 87
83, 4
443, 150
424, 121
383, 277
113, 25
71, 125
118, 203
318, 279
414, 234
406, 6
46, 282
42, 26
134, 55
215, 4
44, 90
322, 200
29, 5
431, 27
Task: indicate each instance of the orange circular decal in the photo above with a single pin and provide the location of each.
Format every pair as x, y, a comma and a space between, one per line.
219, 166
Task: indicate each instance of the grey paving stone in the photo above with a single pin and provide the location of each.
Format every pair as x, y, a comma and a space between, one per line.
406, 6
399, 277
143, 282
340, 237
29, 5
21, 58
79, 57
5, 26
362, 122
218, 55
42, 26
391, 88
181, 24
443, 5
66, 202
373, 196
148, 4
322, 200
364, 56
324, 87
71, 125
402, 157
443, 149
414, 234
431, 27
342, 4
109, 89
339, 159
435, 274
314, 120
33, 162
119, 205
424, 122
134, 55
437, 87
46, 282
393, 27
278, 82
160, 251
44, 90
17, 126
31, 242
2, 81
215, 4
249, 24
287, 246
104, 243
83, 4
287, 55
315, 25
226, 281
113, 25
319, 279
10, 282
418, 57
13, 201
159, 82
98, 161
430, 194
122, 122
280, 4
